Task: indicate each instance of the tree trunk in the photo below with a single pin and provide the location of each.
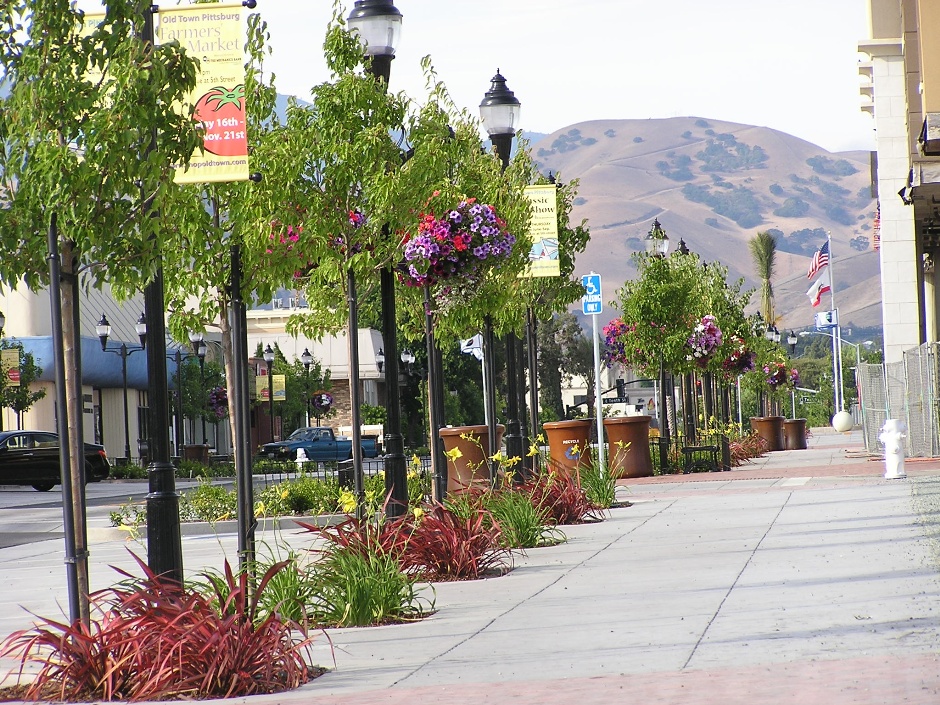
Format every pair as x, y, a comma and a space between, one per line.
76, 452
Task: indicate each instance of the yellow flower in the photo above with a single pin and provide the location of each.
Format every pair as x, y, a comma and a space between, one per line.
497, 456
347, 501
533, 450
453, 454
514, 460
284, 493
418, 512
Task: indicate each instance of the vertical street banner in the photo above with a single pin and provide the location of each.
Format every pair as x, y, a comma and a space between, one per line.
543, 257
214, 34
279, 382
10, 367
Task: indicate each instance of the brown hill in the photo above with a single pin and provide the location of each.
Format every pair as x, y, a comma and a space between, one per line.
715, 185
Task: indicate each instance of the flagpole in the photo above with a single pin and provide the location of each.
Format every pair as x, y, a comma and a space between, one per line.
838, 401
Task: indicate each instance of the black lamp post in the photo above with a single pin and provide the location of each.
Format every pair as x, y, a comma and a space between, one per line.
792, 341
378, 24
499, 112
103, 329
269, 361
200, 348
307, 360
657, 245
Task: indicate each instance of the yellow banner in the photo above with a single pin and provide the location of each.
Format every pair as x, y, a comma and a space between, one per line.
543, 257
214, 34
10, 365
278, 382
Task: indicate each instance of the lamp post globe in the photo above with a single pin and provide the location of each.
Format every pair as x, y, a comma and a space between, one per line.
378, 25
657, 242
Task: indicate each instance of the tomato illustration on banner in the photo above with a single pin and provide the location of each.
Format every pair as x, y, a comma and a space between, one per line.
222, 113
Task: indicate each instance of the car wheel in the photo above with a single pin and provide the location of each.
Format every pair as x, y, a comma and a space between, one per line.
43, 486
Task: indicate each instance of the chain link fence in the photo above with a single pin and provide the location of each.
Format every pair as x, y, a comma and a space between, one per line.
906, 390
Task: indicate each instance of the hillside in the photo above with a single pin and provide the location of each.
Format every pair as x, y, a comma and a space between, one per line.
715, 184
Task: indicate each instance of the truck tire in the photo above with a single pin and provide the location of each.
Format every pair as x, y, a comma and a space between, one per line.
43, 486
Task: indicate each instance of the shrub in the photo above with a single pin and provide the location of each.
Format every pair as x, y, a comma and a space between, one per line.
599, 488
521, 523
155, 640
128, 471
445, 546
303, 495
747, 447
208, 502
561, 497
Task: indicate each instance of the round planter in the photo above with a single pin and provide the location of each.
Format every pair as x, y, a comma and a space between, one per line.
794, 434
569, 443
471, 467
770, 428
628, 446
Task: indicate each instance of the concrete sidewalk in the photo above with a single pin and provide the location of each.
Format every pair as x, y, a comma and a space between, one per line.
804, 577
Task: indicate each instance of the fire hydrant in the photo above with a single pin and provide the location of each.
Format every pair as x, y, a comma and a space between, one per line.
891, 437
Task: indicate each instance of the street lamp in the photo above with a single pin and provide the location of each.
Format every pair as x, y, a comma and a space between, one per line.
499, 112
408, 359
269, 361
103, 330
792, 341
378, 25
201, 349
307, 360
380, 360
657, 242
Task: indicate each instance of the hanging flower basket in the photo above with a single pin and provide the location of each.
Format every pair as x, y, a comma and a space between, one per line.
217, 402
705, 339
741, 360
322, 402
778, 377
463, 243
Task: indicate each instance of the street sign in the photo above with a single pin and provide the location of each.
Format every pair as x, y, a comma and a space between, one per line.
592, 301
616, 400
826, 320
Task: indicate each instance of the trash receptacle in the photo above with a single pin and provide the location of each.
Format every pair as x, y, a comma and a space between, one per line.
198, 453
628, 446
794, 434
470, 466
569, 444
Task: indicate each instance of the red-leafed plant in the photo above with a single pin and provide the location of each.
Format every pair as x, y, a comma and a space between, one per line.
156, 640
365, 536
445, 545
561, 497
747, 447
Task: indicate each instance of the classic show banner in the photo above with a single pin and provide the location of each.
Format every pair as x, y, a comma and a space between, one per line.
543, 257
10, 366
214, 34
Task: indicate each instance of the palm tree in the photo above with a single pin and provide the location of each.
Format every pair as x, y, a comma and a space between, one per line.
764, 253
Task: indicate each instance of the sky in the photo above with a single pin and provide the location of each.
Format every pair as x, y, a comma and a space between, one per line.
791, 66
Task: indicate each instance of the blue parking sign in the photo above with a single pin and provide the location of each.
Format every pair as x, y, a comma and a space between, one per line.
592, 301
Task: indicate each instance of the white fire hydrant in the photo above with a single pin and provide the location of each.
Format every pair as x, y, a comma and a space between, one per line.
300, 459
891, 437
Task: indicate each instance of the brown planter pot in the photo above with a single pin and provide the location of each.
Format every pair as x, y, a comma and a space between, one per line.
569, 443
471, 467
770, 428
628, 446
794, 434
199, 453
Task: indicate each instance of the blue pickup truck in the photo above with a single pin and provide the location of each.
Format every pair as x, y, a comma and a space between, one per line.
319, 444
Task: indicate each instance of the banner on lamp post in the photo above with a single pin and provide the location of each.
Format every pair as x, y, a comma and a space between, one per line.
543, 228
10, 365
214, 34
280, 387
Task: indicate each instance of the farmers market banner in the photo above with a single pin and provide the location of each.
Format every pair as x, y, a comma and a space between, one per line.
543, 257
10, 367
214, 34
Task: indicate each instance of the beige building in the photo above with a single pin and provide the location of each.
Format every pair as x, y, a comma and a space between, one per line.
901, 89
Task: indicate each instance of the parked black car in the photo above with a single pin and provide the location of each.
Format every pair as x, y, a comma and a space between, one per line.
32, 458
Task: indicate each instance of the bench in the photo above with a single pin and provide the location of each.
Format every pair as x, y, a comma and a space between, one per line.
704, 458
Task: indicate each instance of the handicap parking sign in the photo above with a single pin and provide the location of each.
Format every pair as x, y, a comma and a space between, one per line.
591, 302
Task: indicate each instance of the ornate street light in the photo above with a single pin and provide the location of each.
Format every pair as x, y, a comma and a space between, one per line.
407, 358
307, 360
500, 111
657, 242
380, 360
201, 349
269, 361
791, 341
378, 25
103, 330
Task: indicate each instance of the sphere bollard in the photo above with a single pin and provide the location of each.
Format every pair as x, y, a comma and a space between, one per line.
891, 434
300, 459
843, 422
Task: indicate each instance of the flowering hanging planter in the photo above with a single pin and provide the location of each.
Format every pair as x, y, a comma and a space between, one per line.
322, 403
740, 360
460, 245
704, 341
779, 378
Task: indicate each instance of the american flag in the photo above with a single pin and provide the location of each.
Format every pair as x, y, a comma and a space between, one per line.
820, 260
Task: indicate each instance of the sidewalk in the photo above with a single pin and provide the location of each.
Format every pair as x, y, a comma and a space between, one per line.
803, 577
